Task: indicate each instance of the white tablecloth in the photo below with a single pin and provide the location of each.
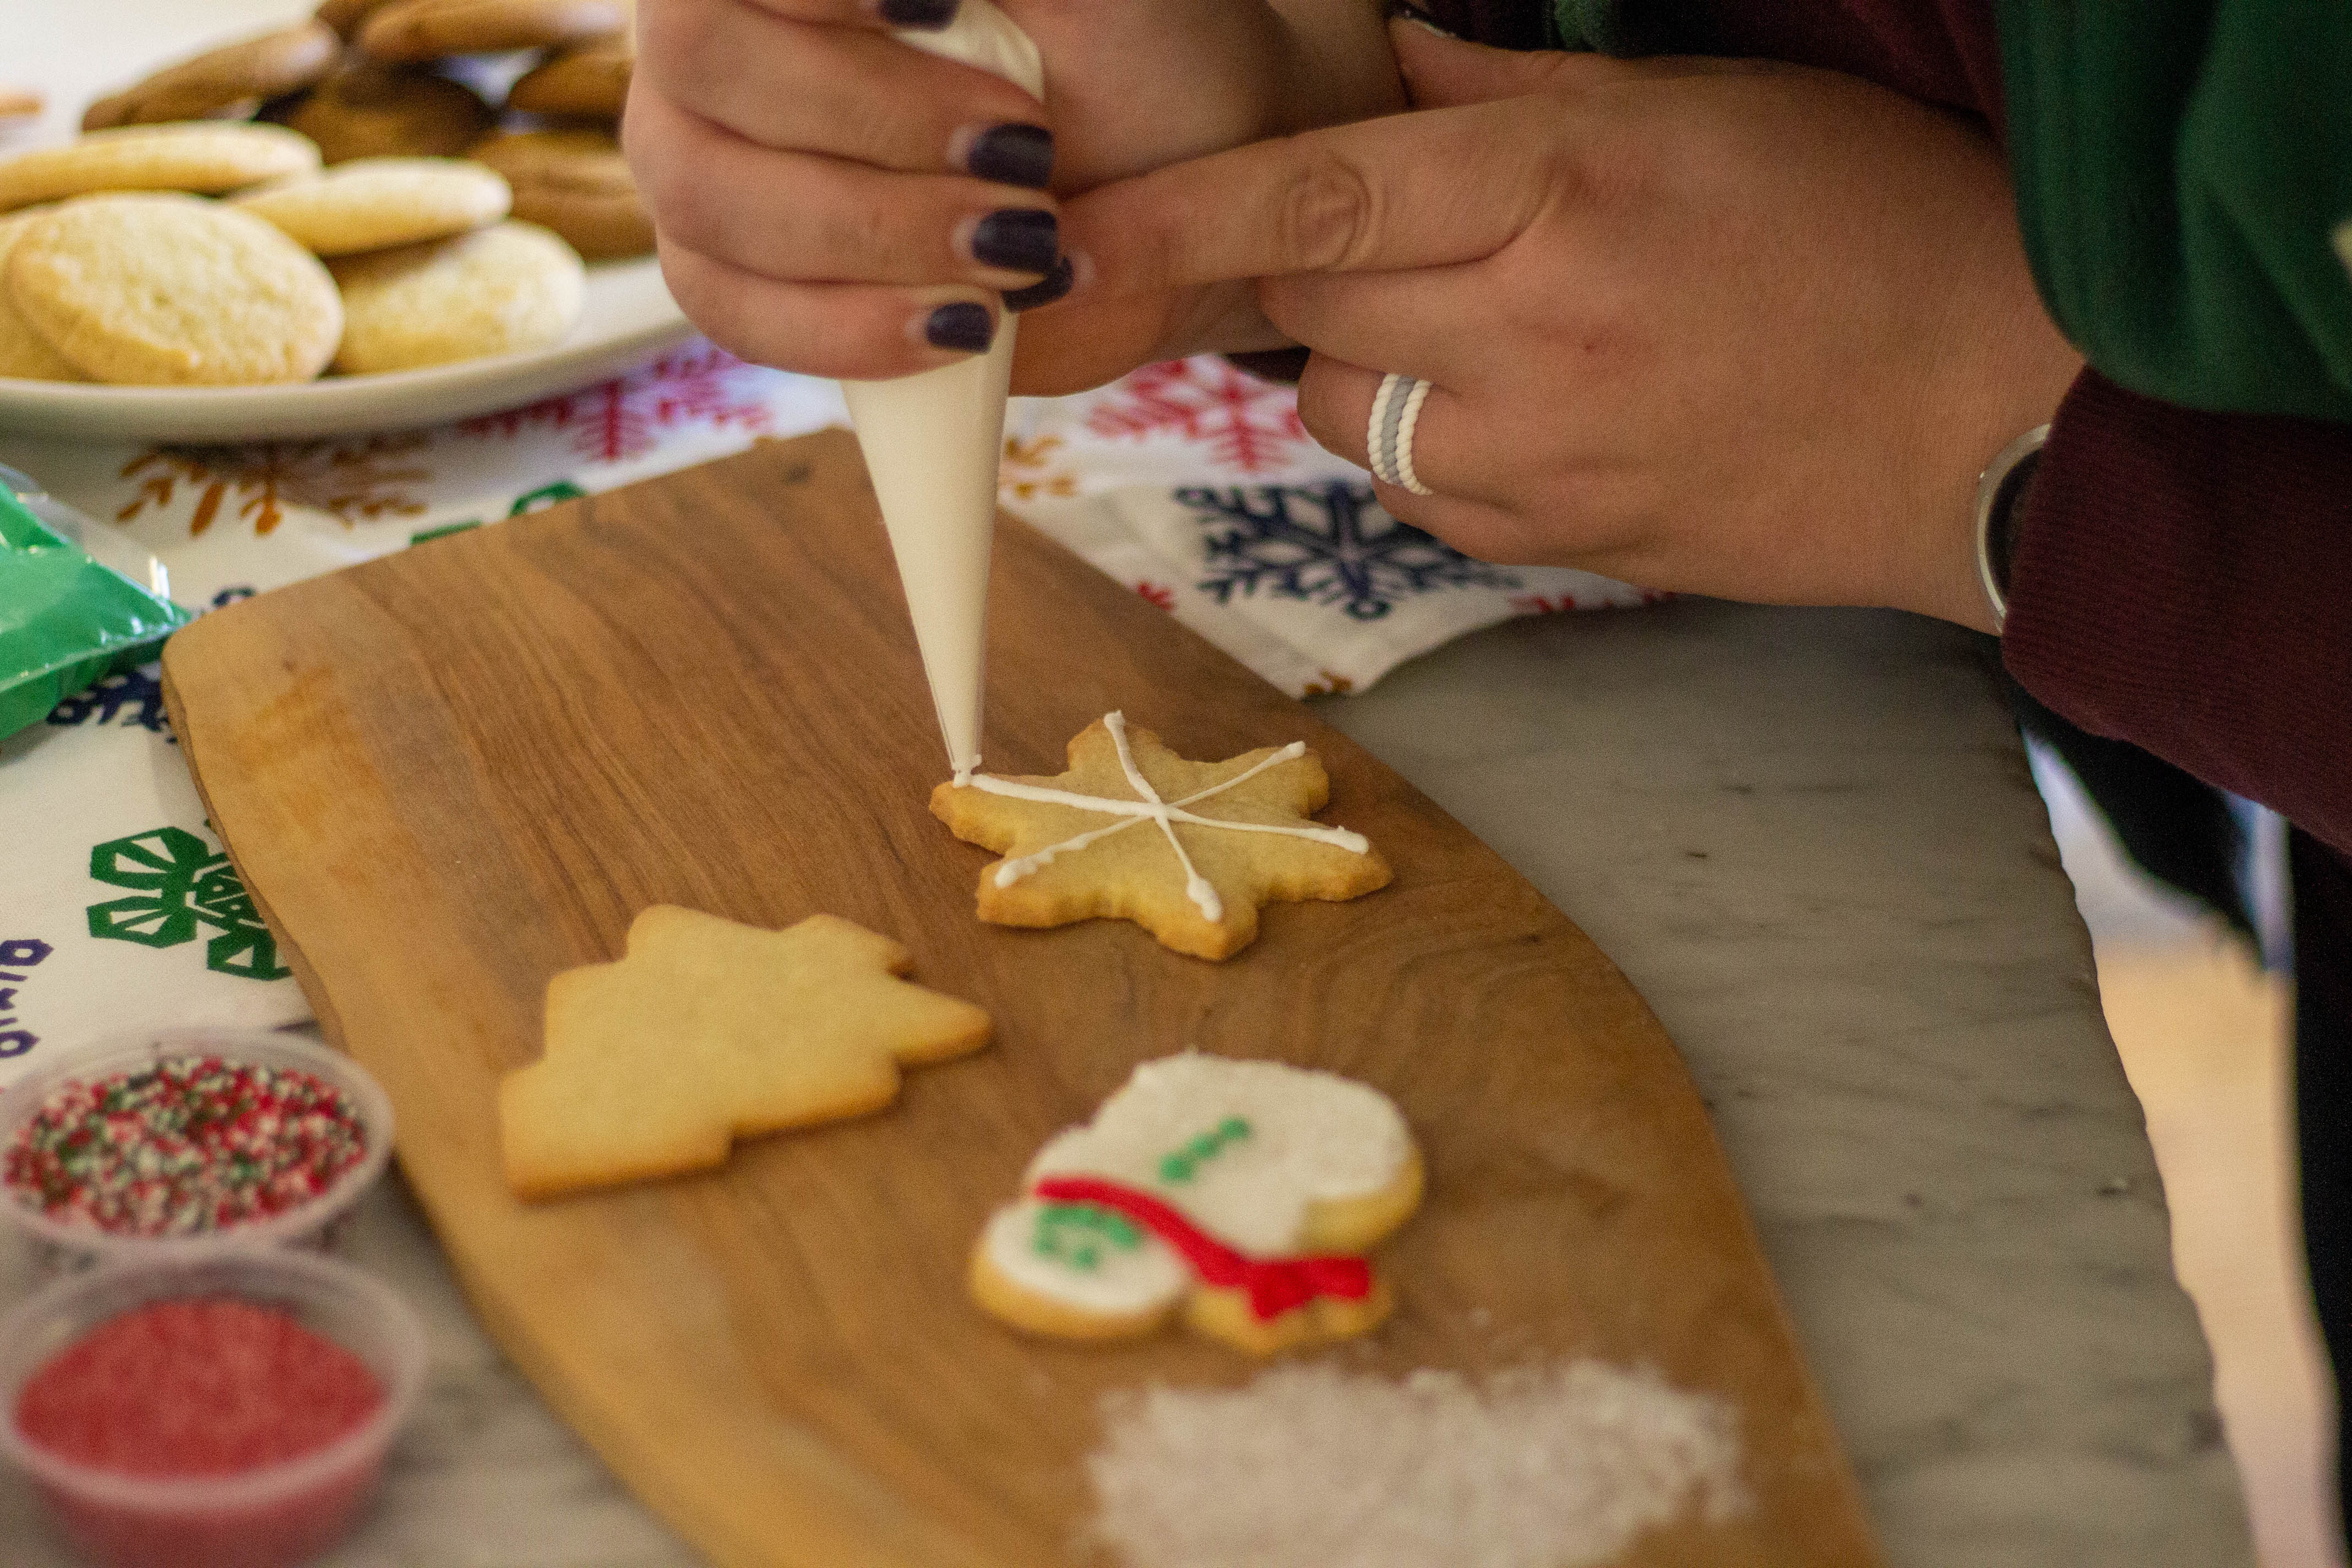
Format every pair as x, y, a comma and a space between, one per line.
1191, 482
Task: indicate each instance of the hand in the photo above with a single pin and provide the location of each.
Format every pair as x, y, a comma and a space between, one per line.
1740, 330
832, 201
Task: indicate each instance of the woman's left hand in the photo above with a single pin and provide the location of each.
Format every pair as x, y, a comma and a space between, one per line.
1744, 331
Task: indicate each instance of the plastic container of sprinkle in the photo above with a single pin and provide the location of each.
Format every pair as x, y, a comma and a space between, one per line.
187, 1143
228, 1412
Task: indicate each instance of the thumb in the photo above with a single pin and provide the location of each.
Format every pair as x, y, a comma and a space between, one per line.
1441, 69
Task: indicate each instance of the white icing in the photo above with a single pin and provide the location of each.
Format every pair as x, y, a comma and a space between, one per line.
1145, 1278
1149, 807
1313, 1137
932, 442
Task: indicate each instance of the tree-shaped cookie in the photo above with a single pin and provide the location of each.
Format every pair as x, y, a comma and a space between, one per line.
706, 1031
1187, 850
1241, 1194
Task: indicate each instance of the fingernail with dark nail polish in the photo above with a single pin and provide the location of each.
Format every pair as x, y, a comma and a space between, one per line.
926, 14
1019, 239
1056, 283
1012, 155
1405, 10
962, 326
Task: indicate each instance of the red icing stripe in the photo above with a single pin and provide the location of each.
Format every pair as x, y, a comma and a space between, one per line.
1275, 1285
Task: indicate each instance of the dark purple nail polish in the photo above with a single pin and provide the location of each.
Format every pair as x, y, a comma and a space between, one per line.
1056, 284
1405, 10
928, 15
1012, 155
1019, 239
963, 326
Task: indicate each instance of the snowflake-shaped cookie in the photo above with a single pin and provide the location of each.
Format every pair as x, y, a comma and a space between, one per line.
1187, 850
706, 1031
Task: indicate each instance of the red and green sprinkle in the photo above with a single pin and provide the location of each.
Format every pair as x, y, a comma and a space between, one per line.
191, 1144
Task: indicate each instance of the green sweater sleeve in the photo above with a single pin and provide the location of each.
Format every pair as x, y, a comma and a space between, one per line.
2182, 168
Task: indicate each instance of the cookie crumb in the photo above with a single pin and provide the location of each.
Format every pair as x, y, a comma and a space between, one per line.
1312, 1466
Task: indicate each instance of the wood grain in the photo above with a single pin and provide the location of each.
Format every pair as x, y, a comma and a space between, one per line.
447, 775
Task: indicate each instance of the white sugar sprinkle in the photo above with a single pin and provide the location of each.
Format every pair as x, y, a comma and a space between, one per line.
1312, 1466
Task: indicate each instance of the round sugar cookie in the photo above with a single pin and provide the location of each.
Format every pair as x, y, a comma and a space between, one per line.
436, 29
23, 351
506, 289
589, 80
173, 290
204, 156
283, 61
371, 109
369, 204
576, 183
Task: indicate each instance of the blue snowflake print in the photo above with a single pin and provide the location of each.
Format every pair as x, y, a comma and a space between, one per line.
1325, 544
133, 696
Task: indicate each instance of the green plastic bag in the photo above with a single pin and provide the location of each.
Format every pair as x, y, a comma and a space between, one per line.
64, 620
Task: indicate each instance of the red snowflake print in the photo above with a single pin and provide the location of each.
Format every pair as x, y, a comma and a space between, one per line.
1542, 604
617, 419
355, 481
1249, 424
1158, 594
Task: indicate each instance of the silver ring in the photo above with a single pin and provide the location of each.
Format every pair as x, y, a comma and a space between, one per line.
1996, 494
1387, 438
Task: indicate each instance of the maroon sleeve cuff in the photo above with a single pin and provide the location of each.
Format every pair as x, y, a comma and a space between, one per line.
2183, 581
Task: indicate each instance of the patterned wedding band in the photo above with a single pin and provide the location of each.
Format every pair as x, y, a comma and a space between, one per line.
1396, 410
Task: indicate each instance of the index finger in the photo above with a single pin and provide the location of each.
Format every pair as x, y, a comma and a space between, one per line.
1423, 189
925, 16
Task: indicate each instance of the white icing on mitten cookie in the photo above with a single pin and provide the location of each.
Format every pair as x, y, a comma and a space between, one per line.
1242, 1192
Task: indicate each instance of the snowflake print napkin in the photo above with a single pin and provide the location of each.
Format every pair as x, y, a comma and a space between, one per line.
1191, 482
1196, 485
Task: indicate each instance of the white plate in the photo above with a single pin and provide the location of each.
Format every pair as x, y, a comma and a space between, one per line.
629, 317
72, 52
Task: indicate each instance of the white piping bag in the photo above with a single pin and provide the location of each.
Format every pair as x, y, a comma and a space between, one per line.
932, 442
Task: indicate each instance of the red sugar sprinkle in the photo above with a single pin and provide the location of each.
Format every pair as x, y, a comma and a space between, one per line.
210, 1386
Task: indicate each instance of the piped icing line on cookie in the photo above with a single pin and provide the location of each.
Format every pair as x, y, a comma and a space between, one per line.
1197, 888
1275, 1285
1151, 808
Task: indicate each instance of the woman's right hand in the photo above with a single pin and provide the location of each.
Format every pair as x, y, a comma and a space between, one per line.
832, 201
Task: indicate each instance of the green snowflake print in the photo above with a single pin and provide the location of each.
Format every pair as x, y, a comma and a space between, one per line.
183, 885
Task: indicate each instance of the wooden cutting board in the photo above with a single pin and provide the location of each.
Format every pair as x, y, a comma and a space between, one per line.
447, 775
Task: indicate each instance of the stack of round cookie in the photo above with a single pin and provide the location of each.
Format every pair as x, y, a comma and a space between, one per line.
371, 79
204, 253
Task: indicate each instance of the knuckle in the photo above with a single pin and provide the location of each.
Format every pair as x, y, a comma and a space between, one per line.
679, 205
1329, 214
859, 237
673, 36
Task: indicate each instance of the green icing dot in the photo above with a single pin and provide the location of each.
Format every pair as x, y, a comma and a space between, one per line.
1074, 1233
1176, 1168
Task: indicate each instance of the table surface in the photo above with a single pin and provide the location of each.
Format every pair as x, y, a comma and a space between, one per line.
1810, 840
